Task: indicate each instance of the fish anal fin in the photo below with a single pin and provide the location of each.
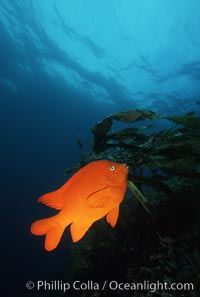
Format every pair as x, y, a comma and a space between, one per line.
112, 216
78, 230
53, 199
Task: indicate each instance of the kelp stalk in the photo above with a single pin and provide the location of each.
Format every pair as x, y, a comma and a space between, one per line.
140, 197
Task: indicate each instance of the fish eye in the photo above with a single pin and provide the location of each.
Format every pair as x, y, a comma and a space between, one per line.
112, 167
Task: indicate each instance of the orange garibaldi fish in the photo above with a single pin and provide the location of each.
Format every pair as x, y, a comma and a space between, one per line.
94, 191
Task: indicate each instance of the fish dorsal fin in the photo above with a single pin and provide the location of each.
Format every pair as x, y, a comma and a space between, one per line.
97, 199
112, 216
52, 199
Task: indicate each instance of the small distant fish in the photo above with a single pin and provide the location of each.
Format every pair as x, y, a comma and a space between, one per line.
95, 191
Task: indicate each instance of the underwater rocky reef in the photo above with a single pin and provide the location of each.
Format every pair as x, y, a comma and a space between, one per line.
157, 236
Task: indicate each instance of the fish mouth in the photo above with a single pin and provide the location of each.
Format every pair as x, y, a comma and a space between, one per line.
126, 166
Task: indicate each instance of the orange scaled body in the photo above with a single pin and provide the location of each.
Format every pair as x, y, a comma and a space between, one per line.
94, 191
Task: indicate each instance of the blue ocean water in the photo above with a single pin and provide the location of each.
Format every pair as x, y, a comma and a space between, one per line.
64, 65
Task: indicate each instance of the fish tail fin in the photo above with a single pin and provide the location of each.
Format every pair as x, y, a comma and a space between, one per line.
78, 230
51, 228
53, 237
41, 227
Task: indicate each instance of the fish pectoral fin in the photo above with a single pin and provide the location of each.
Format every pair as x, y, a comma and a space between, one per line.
52, 199
78, 230
112, 216
98, 199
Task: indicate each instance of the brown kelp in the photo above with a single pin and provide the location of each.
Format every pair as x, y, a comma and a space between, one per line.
161, 239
